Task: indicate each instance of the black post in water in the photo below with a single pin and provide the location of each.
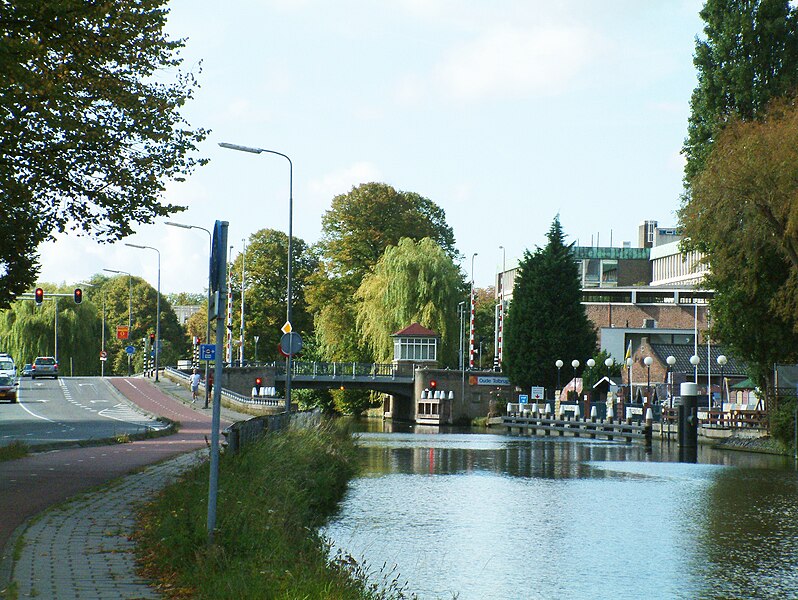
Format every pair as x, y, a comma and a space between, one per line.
688, 423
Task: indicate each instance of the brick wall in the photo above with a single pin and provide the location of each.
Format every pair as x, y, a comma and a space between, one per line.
634, 315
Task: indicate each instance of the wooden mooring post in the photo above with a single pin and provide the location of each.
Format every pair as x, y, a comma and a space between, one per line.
538, 423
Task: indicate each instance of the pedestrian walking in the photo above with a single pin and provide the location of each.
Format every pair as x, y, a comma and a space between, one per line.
194, 381
210, 382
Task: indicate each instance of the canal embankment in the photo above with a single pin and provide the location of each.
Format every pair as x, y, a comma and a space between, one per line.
274, 494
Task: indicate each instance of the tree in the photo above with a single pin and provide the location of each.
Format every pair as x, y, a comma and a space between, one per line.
356, 231
266, 272
546, 319
748, 59
89, 133
749, 56
485, 324
411, 283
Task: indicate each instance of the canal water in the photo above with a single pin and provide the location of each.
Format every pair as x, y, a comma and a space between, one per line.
486, 516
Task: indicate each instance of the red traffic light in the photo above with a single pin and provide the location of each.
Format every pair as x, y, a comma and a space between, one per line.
433, 384
152, 337
78, 295
258, 381
39, 295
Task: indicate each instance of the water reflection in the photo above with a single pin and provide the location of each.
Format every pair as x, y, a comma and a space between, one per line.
496, 516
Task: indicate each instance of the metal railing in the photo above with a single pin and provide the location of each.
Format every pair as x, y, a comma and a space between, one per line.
354, 370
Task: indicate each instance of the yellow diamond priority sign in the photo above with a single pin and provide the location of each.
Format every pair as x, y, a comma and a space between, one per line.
287, 327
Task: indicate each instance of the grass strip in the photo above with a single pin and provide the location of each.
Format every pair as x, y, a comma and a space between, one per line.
14, 450
272, 499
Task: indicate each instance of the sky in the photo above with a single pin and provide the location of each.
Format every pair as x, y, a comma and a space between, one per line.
505, 114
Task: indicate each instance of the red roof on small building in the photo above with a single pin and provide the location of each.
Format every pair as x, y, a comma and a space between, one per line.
415, 330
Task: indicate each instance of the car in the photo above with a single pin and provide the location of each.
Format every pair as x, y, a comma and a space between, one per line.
26, 370
44, 366
8, 388
7, 366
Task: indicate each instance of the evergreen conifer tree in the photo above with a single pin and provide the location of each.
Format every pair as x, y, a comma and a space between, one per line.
546, 320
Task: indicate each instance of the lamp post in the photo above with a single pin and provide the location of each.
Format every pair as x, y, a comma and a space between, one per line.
694, 360
461, 311
256, 338
722, 360
671, 360
158, 305
290, 255
498, 342
558, 363
575, 365
129, 312
208, 328
648, 361
471, 339
243, 277
608, 362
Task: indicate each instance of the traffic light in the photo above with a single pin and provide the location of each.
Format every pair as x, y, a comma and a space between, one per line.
152, 338
78, 295
433, 384
39, 296
258, 382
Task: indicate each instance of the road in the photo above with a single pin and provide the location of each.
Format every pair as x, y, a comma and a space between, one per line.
70, 410
31, 484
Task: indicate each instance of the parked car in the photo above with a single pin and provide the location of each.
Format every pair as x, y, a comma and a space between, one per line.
7, 366
8, 388
44, 366
27, 370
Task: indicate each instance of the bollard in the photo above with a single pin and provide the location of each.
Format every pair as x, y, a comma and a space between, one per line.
648, 432
688, 416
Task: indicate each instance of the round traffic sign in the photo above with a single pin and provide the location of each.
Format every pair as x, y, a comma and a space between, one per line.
290, 343
103, 354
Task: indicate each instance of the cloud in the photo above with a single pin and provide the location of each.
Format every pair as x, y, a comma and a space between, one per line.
508, 61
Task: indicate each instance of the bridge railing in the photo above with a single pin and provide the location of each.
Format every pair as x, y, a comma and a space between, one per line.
355, 370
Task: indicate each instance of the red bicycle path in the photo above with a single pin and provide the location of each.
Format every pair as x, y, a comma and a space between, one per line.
32, 484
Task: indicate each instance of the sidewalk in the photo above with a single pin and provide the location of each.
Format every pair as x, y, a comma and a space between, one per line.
81, 548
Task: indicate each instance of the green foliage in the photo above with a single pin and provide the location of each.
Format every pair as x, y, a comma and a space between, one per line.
91, 130
411, 283
782, 422
266, 272
594, 374
272, 499
14, 450
356, 231
546, 320
748, 56
484, 325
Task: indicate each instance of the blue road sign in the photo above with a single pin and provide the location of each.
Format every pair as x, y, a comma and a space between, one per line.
207, 351
523, 399
130, 349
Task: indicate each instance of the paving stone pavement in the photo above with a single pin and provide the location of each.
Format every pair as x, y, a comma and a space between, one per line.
81, 549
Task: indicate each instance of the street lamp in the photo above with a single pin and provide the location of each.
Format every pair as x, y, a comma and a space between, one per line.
722, 360
671, 360
243, 276
575, 365
648, 361
558, 363
158, 305
290, 255
694, 360
208, 328
129, 312
256, 337
498, 339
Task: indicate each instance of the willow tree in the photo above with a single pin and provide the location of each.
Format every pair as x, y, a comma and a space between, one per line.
413, 282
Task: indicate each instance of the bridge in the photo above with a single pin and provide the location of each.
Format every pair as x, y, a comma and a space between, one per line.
417, 392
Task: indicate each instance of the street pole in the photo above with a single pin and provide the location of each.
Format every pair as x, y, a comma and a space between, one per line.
243, 277
289, 291
158, 306
208, 328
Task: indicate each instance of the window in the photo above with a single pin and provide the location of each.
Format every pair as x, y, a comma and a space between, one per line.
411, 348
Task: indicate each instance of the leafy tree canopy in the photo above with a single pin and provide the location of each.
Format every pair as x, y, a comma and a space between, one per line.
90, 129
749, 55
411, 283
546, 319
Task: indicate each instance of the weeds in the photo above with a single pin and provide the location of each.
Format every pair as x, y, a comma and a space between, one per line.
14, 450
